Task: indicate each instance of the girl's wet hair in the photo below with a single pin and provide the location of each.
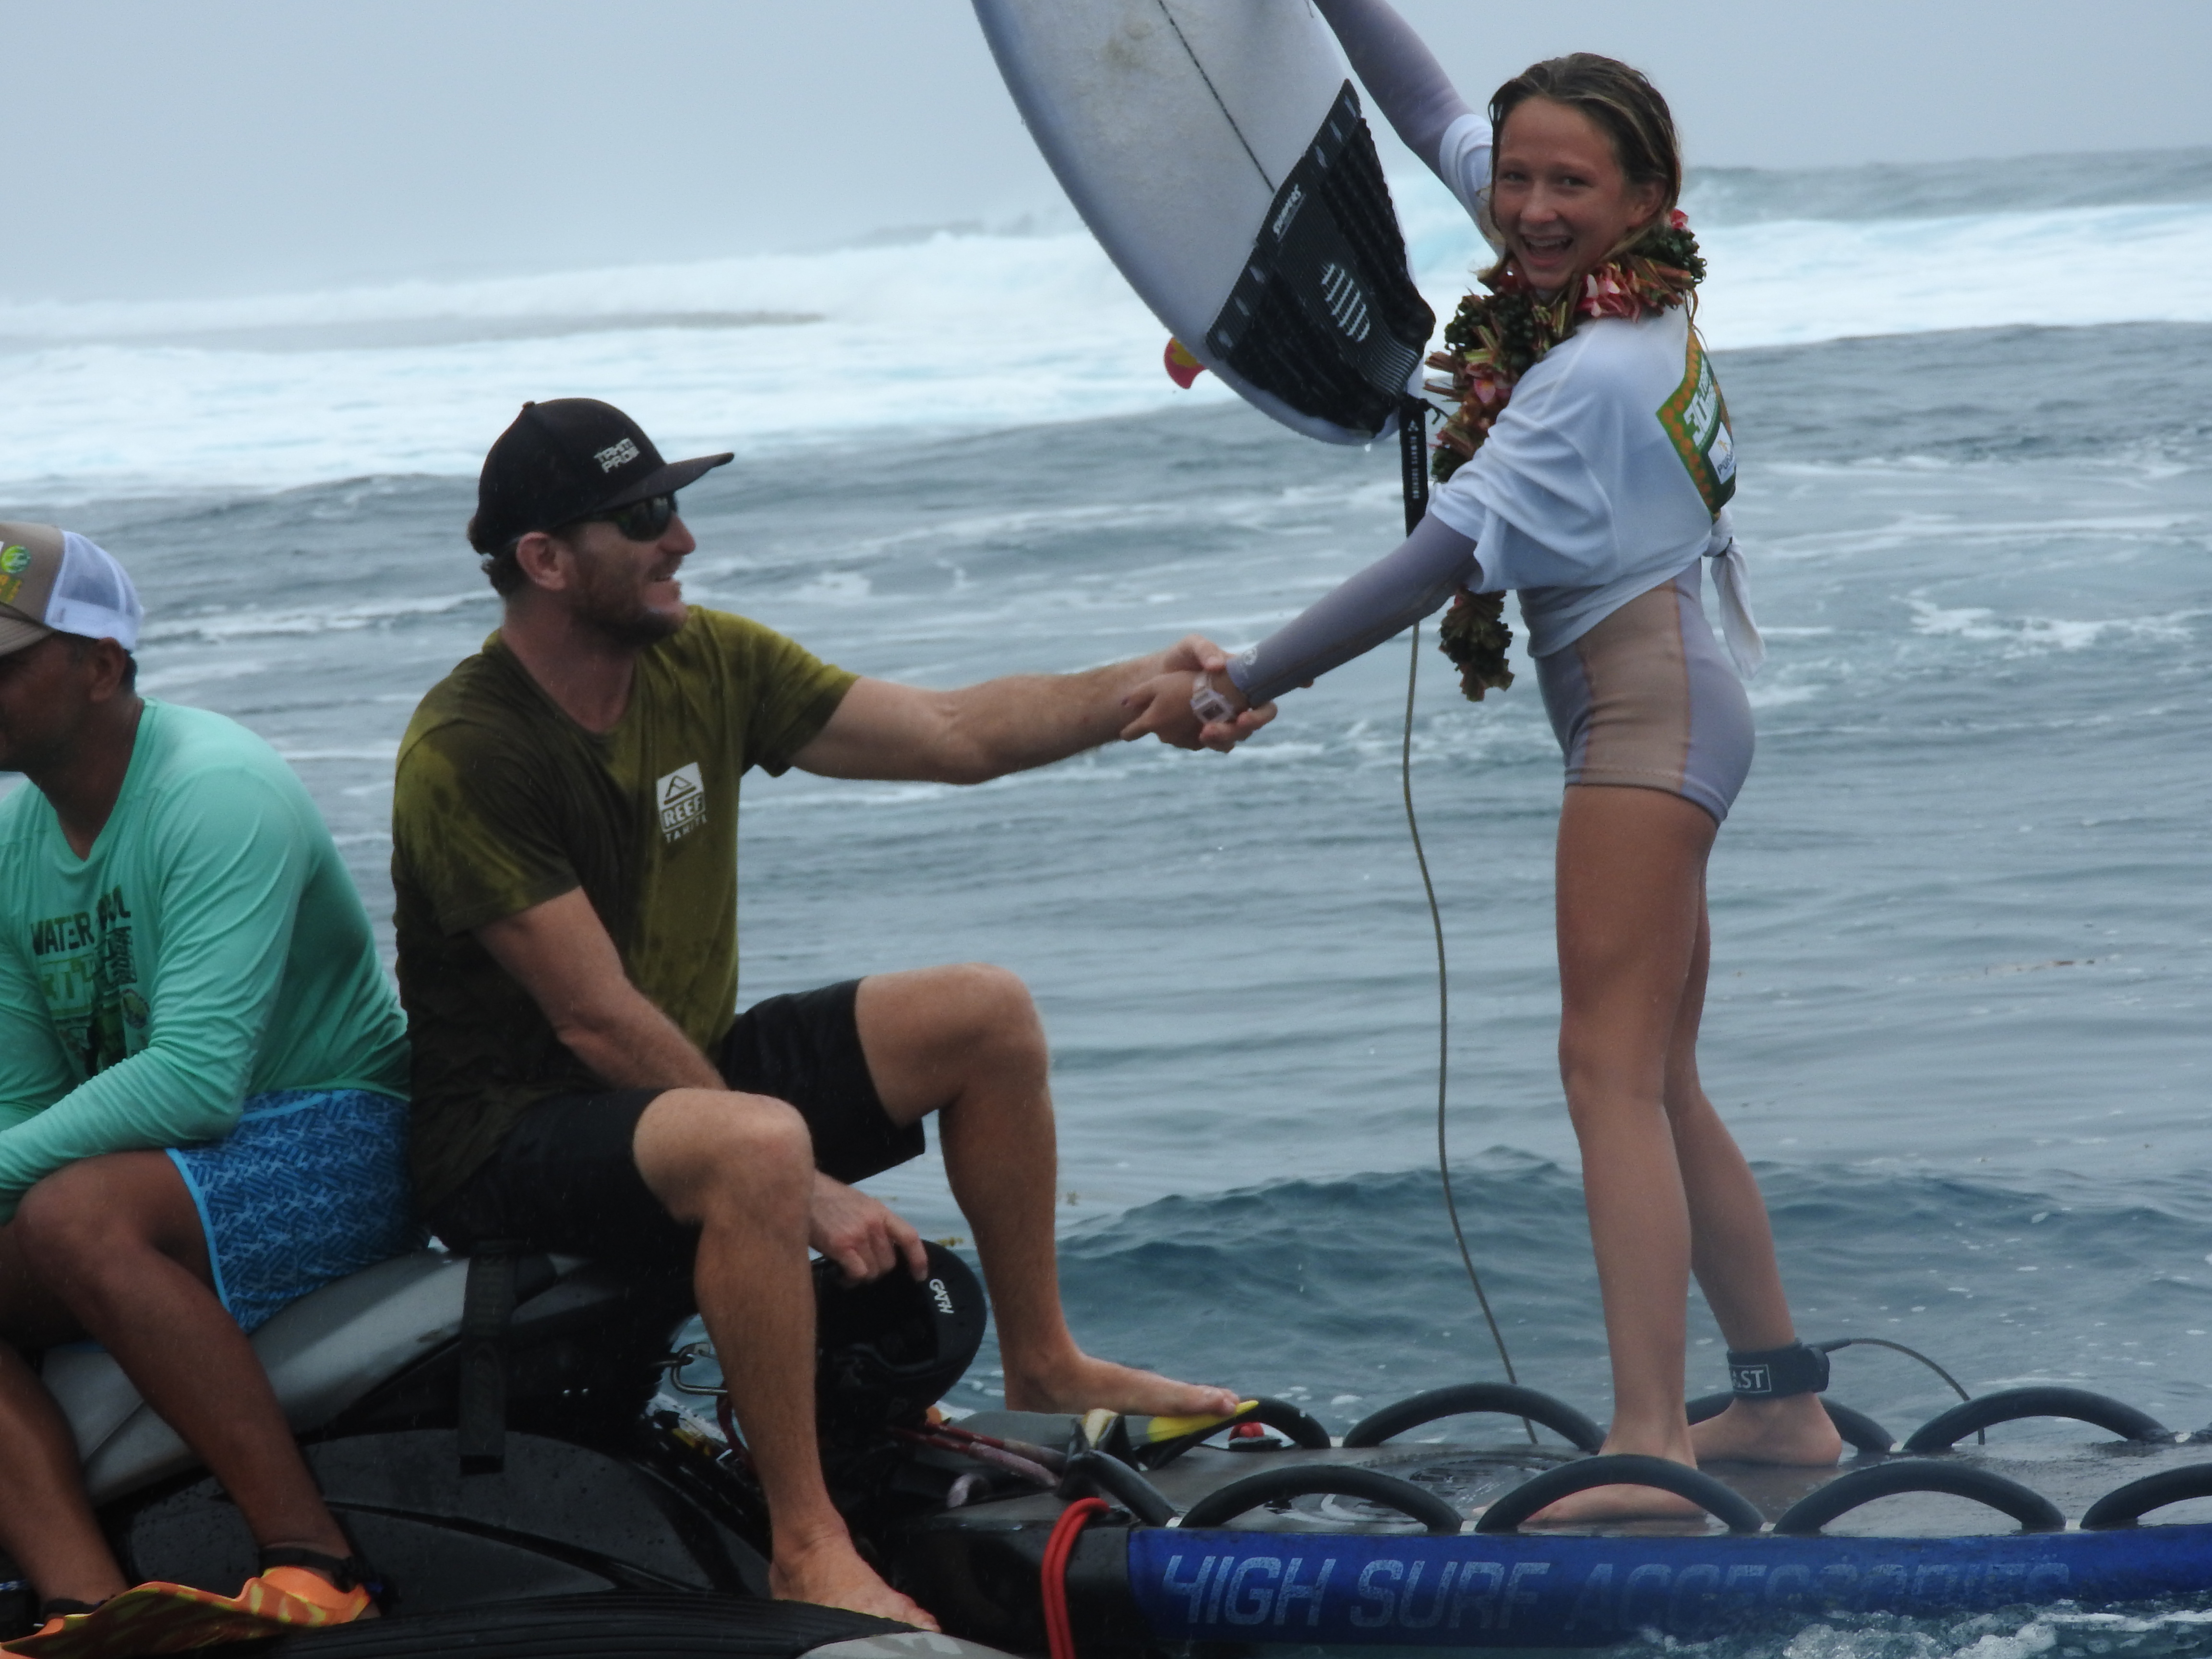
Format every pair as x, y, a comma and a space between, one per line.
1626, 107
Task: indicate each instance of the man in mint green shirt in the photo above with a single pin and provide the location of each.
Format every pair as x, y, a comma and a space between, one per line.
202, 1079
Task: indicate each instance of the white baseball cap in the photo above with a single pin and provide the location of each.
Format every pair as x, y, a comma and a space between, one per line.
56, 581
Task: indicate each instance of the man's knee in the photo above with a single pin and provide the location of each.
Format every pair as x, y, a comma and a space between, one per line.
48, 1228
80, 1216
698, 1148
989, 1007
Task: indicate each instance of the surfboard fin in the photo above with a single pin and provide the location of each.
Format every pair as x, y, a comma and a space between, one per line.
1183, 368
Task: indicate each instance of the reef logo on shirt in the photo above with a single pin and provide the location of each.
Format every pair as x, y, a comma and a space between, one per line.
90, 979
1696, 423
683, 800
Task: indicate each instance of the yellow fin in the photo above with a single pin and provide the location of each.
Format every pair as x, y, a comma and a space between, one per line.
1174, 1428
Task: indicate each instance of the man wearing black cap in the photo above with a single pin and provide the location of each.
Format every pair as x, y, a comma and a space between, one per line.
565, 860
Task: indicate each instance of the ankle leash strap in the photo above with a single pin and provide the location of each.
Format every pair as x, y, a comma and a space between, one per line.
1776, 1373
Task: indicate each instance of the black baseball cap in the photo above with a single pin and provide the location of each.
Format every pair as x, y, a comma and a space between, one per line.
564, 459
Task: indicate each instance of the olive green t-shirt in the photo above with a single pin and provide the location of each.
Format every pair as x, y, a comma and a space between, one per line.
503, 802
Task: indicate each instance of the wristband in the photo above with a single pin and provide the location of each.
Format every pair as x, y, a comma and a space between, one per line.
1211, 706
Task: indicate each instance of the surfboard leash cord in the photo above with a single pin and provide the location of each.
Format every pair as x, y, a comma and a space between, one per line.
1412, 457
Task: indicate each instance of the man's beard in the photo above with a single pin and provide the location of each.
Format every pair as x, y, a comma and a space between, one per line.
608, 602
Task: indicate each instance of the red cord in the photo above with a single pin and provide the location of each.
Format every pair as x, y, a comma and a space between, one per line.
738, 1453
1052, 1579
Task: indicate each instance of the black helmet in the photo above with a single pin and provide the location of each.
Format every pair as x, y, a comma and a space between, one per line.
890, 1348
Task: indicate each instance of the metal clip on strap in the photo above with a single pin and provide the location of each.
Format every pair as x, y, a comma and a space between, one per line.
487, 1306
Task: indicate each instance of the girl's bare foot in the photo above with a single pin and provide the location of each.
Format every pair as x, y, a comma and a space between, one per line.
1601, 1503
1795, 1430
1625, 1503
1077, 1383
831, 1574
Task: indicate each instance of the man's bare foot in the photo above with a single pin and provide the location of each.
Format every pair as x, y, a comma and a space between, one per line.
831, 1574
1602, 1503
1079, 1383
1795, 1430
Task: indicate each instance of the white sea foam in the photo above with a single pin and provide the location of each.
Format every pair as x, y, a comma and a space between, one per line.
252, 622
1783, 281
2033, 634
959, 332
1787, 282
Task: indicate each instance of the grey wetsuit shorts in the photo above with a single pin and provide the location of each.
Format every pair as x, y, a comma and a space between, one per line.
1647, 700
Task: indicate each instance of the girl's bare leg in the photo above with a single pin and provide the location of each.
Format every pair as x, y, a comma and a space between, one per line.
1629, 887
1732, 1252
1661, 1177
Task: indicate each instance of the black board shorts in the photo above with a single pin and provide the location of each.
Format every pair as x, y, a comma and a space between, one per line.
565, 1178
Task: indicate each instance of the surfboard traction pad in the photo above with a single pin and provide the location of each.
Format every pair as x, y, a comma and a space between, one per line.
1325, 315
1335, 1571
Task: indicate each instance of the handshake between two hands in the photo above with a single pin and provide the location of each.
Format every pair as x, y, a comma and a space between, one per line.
1161, 703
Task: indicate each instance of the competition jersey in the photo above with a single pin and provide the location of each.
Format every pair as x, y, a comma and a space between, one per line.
503, 802
1612, 466
209, 946
1609, 471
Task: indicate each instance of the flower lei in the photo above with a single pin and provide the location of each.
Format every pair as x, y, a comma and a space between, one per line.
1495, 339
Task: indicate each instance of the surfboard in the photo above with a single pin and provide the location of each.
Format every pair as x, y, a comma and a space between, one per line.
1218, 152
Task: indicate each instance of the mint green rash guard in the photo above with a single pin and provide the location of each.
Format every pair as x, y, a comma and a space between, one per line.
211, 948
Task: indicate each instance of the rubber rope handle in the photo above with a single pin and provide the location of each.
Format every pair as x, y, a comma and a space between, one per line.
1859, 1431
1506, 1398
2034, 1512
2124, 1506
2042, 1400
1225, 1504
1305, 1432
1731, 1508
1093, 1473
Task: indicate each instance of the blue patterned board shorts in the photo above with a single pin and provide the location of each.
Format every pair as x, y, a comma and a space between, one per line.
311, 1186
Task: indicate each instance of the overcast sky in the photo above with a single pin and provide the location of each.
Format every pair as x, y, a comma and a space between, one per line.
160, 148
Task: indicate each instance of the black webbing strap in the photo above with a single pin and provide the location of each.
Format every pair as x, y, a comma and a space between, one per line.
1413, 459
487, 1305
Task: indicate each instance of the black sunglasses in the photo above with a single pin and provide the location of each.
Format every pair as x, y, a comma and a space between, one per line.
639, 521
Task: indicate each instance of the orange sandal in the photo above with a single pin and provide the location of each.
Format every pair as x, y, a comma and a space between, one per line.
161, 1618
55, 1616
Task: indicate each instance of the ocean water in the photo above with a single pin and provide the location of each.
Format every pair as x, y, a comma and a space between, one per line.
968, 330
1961, 1002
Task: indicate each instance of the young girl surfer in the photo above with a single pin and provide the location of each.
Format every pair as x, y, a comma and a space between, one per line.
1589, 466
